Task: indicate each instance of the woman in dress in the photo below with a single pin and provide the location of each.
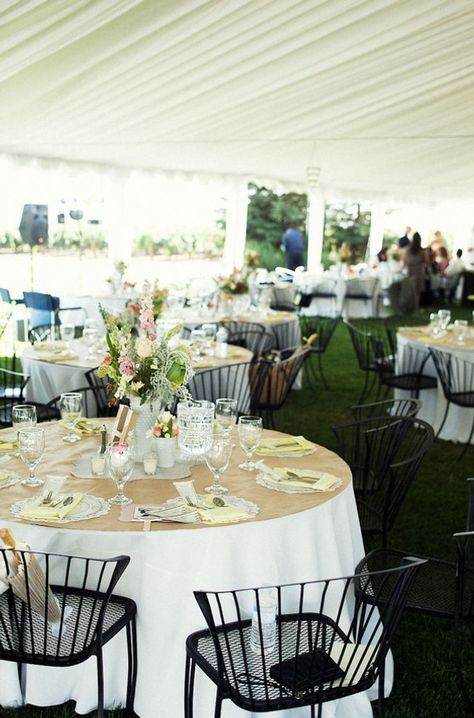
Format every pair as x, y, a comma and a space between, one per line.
414, 261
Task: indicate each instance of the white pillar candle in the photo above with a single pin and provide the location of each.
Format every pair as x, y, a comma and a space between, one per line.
149, 465
98, 465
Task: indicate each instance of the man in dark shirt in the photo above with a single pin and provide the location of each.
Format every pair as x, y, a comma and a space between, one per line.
293, 244
405, 240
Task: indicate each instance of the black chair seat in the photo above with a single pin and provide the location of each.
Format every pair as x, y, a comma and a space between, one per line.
410, 382
463, 398
74, 646
245, 681
433, 591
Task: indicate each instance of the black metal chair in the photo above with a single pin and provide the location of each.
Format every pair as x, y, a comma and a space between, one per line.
320, 330
287, 334
272, 381
62, 611
442, 589
366, 359
259, 343
51, 410
384, 454
231, 381
404, 371
457, 380
12, 391
44, 333
365, 291
98, 386
321, 646
387, 407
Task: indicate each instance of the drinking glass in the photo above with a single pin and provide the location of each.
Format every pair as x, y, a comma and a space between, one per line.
226, 414
434, 324
209, 337
250, 431
460, 330
23, 417
31, 449
70, 405
217, 460
444, 318
67, 332
195, 424
198, 340
120, 463
89, 337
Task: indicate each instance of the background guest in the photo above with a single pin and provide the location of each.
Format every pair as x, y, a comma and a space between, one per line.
414, 262
442, 257
405, 240
293, 244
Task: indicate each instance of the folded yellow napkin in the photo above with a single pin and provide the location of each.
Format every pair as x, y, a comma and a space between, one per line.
59, 358
431, 340
83, 426
39, 511
4, 476
310, 479
204, 365
220, 514
286, 445
8, 445
48, 347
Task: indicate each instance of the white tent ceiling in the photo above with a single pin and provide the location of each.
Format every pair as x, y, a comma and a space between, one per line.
377, 93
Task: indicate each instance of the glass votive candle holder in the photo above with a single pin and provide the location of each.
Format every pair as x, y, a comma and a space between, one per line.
149, 465
98, 465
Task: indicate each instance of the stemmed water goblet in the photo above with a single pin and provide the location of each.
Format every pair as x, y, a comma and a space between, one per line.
444, 319
70, 405
217, 460
226, 414
460, 330
31, 449
23, 417
67, 332
250, 431
120, 463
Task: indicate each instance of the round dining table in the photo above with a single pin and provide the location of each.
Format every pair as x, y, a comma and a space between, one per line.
294, 537
56, 368
459, 421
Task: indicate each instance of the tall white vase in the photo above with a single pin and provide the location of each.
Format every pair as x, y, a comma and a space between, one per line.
147, 415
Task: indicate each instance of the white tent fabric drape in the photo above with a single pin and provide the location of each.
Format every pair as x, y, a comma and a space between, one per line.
377, 93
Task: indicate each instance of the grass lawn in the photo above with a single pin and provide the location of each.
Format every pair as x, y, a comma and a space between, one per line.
425, 681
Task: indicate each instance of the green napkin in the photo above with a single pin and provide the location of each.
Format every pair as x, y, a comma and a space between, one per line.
48, 347
8, 445
83, 426
220, 514
310, 479
59, 358
39, 511
286, 445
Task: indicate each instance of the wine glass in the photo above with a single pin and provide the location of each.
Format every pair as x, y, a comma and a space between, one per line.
250, 430
67, 332
31, 449
444, 318
434, 324
226, 414
197, 339
89, 337
217, 460
120, 463
209, 337
460, 329
70, 405
23, 417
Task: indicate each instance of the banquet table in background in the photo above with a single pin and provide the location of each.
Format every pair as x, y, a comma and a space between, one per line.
333, 293
114, 303
295, 537
459, 422
49, 379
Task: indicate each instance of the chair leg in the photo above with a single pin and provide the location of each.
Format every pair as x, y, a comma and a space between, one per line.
448, 404
132, 666
100, 683
218, 707
467, 444
364, 389
381, 692
189, 687
320, 367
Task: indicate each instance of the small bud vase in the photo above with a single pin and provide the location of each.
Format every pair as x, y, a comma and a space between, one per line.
165, 452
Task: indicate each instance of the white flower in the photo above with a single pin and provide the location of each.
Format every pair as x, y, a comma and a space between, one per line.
144, 347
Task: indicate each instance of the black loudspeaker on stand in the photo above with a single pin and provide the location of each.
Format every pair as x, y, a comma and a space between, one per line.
34, 224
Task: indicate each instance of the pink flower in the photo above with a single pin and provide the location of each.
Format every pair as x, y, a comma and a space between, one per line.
174, 431
156, 431
127, 367
134, 307
107, 359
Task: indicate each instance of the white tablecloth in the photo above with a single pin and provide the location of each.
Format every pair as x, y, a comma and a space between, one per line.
165, 568
334, 283
459, 422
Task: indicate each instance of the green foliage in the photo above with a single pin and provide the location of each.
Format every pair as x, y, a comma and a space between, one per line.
269, 214
347, 224
206, 243
64, 241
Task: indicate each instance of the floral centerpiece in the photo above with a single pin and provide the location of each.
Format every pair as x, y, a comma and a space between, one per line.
158, 300
235, 283
116, 281
251, 260
151, 372
165, 427
345, 253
